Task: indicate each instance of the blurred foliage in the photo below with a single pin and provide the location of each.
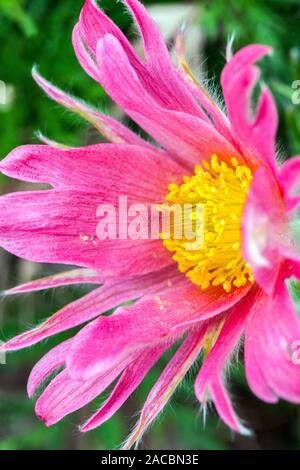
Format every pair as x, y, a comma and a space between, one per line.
14, 11
39, 31
271, 22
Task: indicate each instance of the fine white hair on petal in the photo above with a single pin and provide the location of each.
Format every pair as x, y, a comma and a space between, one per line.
229, 48
52, 143
281, 153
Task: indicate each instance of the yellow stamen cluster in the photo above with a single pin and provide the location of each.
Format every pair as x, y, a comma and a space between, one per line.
222, 190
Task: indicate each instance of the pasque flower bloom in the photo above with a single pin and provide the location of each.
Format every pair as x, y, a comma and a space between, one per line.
209, 298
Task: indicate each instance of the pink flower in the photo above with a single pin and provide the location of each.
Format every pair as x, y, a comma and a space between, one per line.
233, 287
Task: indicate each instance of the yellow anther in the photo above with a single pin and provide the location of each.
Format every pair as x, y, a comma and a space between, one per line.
216, 258
234, 162
227, 286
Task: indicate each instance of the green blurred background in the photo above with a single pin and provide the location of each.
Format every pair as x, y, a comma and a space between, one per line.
39, 32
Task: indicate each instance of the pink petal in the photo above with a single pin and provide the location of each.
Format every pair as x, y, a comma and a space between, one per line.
231, 332
255, 375
167, 87
65, 395
167, 384
157, 76
186, 136
224, 407
67, 278
59, 226
124, 170
151, 320
110, 128
219, 119
264, 228
273, 330
156, 52
212, 109
210, 377
289, 180
113, 293
128, 382
77, 312
54, 359
95, 24
86, 61
258, 132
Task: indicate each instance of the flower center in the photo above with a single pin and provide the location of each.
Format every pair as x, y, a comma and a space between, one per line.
214, 257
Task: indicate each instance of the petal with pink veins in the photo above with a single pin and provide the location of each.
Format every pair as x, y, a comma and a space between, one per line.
157, 75
84, 58
188, 137
167, 87
65, 395
257, 132
271, 333
150, 321
128, 382
60, 226
114, 292
94, 24
142, 174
